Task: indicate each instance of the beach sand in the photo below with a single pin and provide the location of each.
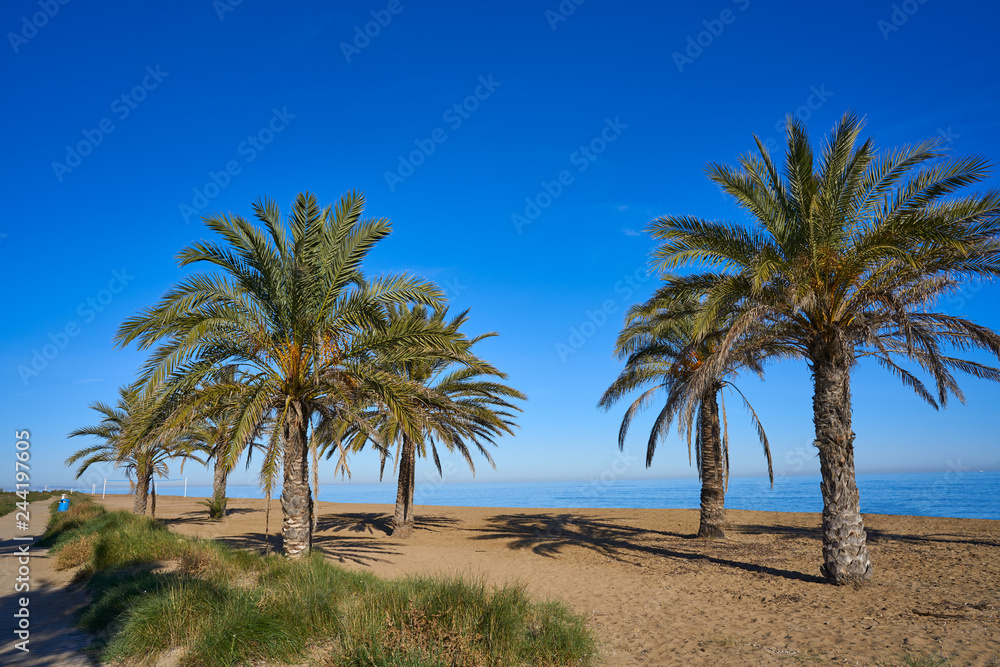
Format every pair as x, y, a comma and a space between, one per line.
655, 595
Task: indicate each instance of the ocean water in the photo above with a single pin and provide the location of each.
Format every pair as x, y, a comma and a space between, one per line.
960, 494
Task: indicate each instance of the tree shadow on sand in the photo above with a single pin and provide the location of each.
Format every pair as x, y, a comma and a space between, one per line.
376, 522
548, 534
362, 551
330, 538
200, 517
875, 535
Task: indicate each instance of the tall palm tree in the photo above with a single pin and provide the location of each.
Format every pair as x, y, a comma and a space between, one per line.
125, 443
463, 406
289, 305
848, 255
662, 355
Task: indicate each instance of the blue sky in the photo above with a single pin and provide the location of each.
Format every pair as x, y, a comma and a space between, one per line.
519, 149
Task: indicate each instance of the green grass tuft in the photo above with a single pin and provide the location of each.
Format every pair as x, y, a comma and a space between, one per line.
154, 592
216, 506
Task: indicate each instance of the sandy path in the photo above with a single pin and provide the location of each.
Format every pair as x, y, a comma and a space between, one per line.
53, 604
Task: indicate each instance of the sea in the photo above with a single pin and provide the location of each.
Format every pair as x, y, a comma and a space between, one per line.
955, 493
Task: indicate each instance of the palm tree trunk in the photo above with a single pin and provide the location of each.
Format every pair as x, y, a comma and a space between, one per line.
141, 492
315, 481
845, 548
402, 524
153, 497
713, 483
219, 479
296, 500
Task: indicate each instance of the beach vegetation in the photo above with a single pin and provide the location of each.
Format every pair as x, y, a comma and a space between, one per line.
154, 592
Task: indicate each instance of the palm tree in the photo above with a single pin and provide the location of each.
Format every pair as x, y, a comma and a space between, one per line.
658, 344
849, 254
289, 305
209, 429
125, 442
466, 405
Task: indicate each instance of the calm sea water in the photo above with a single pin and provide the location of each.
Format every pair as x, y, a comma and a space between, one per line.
973, 495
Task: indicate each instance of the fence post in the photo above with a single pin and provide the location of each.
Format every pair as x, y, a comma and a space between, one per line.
105, 488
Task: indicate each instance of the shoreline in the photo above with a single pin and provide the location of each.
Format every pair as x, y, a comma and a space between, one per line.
656, 595
900, 494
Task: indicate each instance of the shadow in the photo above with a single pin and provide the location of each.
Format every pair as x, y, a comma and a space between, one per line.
548, 535
875, 535
355, 522
359, 550
788, 532
255, 542
372, 522
52, 610
200, 517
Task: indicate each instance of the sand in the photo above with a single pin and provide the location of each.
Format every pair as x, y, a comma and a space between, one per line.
656, 595
53, 638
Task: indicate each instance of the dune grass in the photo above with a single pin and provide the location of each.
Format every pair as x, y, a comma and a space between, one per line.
154, 591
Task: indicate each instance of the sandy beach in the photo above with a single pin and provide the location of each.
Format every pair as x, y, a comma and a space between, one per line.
655, 595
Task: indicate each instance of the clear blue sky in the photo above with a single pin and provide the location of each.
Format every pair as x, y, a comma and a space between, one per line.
124, 121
